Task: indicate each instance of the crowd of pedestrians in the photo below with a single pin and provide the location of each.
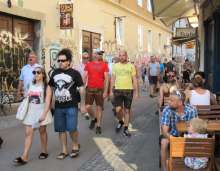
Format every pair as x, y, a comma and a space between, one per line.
85, 87
72, 88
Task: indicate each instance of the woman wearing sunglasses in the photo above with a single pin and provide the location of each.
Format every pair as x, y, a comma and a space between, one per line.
37, 117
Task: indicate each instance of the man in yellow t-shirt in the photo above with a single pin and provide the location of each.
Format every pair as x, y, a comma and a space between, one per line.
124, 82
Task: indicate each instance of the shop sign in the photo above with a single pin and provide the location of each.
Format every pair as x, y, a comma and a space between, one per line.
185, 32
66, 16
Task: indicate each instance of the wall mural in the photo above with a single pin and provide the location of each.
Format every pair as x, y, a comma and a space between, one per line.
13, 56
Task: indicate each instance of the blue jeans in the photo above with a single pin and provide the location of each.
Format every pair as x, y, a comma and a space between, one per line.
65, 119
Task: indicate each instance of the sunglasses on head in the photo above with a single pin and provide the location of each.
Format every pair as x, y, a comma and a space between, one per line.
36, 72
178, 93
61, 60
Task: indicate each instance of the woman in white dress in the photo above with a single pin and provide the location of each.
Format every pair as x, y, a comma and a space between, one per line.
37, 117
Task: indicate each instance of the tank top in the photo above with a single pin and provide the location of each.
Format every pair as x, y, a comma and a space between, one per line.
200, 99
36, 94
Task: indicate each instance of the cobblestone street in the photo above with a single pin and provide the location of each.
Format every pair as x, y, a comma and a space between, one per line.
107, 152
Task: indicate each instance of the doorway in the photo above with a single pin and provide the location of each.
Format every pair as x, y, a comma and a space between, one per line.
90, 41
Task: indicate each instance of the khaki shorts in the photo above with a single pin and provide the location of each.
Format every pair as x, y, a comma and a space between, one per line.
94, 94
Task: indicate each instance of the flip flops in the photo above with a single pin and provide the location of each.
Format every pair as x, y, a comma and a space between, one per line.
75, 153
62, 156
19, 161
43, 156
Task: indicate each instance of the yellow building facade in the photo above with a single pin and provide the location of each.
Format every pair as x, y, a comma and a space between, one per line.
105, 24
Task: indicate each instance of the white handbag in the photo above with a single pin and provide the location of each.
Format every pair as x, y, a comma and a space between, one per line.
22, 109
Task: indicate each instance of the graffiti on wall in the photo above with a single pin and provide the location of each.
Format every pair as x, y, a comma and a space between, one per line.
13, 53
9, 39
53, 50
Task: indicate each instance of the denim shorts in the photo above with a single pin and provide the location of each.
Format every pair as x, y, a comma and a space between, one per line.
65, 119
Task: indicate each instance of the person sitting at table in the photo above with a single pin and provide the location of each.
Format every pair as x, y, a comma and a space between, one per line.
197, 129
199, 95
170, 85
189, 86
175, 112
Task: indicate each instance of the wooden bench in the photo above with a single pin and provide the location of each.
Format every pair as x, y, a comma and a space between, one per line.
181, 147
211, 112
212, 126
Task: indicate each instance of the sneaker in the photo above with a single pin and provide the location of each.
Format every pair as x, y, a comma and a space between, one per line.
87, 116
126, 133
119, 126
98, 130
92, 124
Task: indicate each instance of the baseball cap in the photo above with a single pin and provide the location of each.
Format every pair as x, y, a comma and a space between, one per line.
98, 51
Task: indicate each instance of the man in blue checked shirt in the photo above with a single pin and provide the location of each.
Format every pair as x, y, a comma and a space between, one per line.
175, 112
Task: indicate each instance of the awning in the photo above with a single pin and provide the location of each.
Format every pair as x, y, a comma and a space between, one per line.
171, 10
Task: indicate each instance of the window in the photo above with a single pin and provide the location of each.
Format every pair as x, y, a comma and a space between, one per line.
149, 7
149, 41
140, 3
140, 37
119, 31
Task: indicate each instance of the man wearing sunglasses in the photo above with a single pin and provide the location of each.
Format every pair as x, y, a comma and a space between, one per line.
65, 81
26, 76
176, 111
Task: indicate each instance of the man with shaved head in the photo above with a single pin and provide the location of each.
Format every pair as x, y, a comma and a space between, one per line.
124, 82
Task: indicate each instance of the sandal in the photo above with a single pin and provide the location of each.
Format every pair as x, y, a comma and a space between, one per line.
75, 153
43, 156
19, 161
62, 156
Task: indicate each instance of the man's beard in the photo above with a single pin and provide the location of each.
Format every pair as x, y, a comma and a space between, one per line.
123, 60
173, 108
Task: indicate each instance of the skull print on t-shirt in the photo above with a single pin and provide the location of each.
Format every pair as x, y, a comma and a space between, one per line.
65, 83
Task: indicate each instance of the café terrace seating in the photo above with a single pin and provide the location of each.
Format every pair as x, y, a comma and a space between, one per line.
181, 147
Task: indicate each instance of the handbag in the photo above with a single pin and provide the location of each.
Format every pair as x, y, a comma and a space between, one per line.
22, 109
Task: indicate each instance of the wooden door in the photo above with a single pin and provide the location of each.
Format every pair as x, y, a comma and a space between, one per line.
16, 41
90, 41
86, 42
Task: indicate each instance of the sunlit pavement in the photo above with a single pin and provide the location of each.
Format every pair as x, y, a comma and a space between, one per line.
106, 152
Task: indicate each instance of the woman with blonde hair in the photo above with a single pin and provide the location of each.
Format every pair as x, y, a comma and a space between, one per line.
197, 129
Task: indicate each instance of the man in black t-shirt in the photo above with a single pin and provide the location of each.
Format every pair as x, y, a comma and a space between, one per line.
64, 82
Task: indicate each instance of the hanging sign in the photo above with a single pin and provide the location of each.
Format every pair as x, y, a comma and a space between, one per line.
66, 18
185, 32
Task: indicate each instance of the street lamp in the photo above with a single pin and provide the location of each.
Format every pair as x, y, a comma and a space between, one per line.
115, 20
